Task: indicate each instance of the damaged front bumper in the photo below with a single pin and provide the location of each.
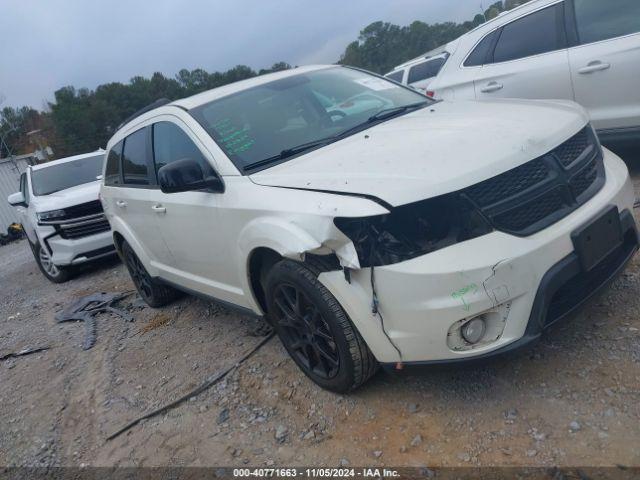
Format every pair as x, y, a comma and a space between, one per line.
518, 285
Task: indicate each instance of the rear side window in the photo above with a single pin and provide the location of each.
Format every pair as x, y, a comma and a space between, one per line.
425, 70
134, 159
171, 143
601, 20
112, 171
531, 35
479, 54
396, 76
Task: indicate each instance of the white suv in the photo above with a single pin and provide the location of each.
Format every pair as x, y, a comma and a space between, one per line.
420, 232
582, 50
61, 214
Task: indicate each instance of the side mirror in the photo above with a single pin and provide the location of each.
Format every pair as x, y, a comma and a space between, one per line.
186, 175
17, 200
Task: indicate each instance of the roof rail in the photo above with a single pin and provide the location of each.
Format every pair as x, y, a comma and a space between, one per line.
158, 103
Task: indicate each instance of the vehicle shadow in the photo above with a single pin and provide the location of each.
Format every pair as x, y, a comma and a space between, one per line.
95, 266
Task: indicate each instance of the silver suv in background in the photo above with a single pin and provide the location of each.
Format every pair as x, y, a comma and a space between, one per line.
582, 50
61, 214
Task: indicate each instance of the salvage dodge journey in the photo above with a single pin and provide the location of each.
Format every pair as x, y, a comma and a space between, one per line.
367, 223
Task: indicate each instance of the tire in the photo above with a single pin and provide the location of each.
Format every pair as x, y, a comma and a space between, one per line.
315, 330
53, 273
152, 292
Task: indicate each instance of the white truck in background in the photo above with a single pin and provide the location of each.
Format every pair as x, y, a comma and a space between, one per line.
61, 214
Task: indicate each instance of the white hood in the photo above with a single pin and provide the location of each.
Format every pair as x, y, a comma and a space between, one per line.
87, 192
436, 150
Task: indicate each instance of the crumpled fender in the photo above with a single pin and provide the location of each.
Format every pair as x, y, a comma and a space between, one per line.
286, 238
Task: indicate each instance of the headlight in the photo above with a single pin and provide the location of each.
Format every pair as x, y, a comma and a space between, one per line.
50, 215
413, 230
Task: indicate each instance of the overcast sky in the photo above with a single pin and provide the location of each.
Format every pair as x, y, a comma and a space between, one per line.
47, 44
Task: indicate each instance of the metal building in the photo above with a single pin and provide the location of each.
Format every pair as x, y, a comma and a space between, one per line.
10, 170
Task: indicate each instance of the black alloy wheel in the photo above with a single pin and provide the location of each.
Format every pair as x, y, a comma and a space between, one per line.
305, 331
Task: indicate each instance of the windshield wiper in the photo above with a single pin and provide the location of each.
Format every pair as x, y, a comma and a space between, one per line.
290, 152
382, 115
393, 111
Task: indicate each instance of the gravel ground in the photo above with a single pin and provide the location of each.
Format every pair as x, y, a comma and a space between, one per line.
572, 400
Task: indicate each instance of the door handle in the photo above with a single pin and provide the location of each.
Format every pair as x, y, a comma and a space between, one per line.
158, 208
596, 66
121, 203
492, 87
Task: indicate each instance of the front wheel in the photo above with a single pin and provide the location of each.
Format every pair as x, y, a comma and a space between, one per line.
152, 292
315, 330
50, 270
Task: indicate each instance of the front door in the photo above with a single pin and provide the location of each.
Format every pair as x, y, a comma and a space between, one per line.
605, 64
189, 221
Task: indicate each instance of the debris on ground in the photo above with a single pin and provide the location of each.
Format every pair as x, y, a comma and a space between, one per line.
14, 232
205, 386
23, 352
86, 308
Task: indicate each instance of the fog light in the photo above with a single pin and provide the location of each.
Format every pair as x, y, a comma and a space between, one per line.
473, 330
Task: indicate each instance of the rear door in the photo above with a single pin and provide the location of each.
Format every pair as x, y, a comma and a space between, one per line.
605, 61
528, 59
129, 183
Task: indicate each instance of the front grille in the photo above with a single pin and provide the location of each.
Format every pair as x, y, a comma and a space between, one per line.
509, 183
83, 227
82, 210
569, 151
529, 198
80, 221
584, 179
532, 212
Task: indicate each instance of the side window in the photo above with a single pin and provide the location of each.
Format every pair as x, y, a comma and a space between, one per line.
601, 20
534, 34
396, 76
479, 54
171, 143
425, 70
134, 159
112, 171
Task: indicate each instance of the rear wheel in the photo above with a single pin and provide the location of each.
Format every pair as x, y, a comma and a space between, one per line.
152, 292
50, 270
315, 330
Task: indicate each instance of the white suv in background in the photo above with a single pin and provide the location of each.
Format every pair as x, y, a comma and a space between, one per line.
420, 231
419, 72
61, 214
582, 50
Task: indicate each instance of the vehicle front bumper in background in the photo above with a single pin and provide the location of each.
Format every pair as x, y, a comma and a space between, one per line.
511, 281
78, 250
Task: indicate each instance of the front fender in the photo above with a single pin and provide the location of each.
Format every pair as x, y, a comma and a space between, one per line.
282, 236
285, 237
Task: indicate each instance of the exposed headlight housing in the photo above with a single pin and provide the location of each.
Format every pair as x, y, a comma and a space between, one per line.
413, 230
50, 215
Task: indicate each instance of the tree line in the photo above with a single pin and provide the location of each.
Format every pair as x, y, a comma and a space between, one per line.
82, 120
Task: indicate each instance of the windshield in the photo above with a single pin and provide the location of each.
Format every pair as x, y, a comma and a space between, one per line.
260, 123
66, 175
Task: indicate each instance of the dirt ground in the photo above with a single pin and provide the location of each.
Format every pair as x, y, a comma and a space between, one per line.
572, 400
